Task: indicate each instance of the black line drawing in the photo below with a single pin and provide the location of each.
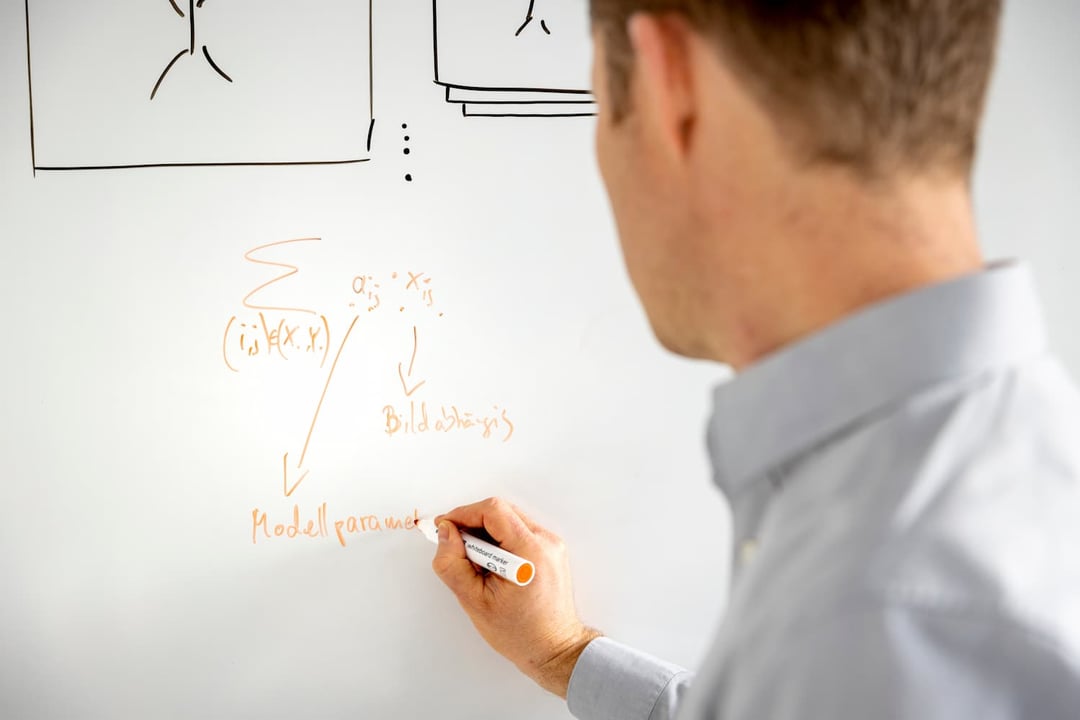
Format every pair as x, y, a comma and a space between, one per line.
190, 49
92, 106
30, 89
492, 69
529, 18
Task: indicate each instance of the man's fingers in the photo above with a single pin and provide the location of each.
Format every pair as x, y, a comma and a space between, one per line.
450, 563
533, 526
496, 516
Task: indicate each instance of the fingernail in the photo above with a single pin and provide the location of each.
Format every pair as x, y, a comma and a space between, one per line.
444, 531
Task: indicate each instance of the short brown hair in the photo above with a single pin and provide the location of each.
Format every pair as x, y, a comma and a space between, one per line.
876, 85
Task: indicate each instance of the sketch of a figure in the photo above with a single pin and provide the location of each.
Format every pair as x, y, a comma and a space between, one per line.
190, 49
183, 83
494, 63
529, 17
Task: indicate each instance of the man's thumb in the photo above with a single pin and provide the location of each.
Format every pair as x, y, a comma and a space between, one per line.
450, 563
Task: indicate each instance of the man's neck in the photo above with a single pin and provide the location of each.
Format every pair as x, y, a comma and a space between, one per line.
837, 244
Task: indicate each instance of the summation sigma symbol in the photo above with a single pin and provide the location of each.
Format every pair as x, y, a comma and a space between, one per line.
193, 5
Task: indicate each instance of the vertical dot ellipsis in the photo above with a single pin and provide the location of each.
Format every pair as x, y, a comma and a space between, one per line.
406, 151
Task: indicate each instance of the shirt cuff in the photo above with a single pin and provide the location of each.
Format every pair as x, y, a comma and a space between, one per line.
611, 681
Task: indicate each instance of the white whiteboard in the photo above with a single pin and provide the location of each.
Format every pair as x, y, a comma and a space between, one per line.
146, 434
158, 433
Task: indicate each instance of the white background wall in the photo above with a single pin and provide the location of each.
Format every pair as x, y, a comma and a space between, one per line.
1027, 181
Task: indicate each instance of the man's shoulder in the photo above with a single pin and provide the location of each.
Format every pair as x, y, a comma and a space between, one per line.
986, 531
960, 507
1026, 415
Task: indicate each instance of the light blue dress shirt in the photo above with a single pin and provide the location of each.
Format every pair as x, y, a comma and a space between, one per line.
905, 492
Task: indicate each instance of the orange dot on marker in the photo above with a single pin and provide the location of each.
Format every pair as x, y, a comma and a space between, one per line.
525, 573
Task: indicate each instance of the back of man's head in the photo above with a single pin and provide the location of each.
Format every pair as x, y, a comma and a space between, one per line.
878, 86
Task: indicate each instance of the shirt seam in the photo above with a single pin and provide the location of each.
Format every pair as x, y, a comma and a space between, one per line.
963, 383
983, 294
656, 700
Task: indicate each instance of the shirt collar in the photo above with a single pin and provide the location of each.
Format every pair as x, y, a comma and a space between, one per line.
798, 397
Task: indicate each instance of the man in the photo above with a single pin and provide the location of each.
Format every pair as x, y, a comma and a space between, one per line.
901, 452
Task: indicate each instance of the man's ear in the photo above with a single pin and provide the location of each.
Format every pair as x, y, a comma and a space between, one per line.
663, 86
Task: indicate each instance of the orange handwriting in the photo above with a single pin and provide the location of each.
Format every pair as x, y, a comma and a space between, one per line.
273, 337
417, 420
301, 525
290, 270
289, 331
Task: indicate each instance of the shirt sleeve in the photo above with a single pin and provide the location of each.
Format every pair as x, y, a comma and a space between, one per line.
614, 682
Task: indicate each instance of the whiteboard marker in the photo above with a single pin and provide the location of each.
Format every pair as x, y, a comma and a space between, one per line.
505, 564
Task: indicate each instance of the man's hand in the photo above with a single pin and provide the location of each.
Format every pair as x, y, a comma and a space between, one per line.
535, 627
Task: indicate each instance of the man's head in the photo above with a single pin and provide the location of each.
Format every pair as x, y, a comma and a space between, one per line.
725, 123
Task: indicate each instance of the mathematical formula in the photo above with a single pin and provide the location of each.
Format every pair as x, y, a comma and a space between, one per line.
287, 331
